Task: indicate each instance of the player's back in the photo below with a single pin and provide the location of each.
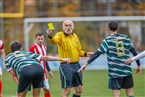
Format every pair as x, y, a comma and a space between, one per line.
118, 51
118, 46
20, 59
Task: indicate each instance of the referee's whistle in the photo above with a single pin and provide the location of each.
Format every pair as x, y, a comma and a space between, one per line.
50, 26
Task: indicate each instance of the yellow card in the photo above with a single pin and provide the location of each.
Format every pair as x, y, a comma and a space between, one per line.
50, 26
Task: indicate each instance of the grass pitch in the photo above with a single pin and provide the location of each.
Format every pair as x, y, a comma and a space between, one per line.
95, 84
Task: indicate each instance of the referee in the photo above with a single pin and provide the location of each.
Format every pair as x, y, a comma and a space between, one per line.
69, 47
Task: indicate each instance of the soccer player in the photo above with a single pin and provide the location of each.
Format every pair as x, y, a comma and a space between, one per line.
141, 55
40, 48
26, 70
117, 47
69, 47
2, 54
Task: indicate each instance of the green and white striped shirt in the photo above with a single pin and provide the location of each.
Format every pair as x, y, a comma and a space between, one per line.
117, 47
19, 59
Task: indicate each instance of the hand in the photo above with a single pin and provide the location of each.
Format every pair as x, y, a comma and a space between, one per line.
89, 54
49, 32
51, 74
17, 95
129, 60
66, 60
138, 70
83, 68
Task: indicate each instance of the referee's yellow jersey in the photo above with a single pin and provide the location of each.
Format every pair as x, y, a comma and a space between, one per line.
68, 46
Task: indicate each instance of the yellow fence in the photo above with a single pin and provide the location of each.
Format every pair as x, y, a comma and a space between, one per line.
20, 14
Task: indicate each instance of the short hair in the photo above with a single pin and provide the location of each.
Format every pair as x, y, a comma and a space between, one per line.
15, 46
113, 26
70, 21
39, 34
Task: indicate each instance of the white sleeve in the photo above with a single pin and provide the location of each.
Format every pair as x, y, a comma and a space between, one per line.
141, 55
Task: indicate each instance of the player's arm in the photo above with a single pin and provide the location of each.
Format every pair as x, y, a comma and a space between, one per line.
14, 76
133, 51
47, 58
138, 70
9, 68
48, 67
102, 50
141, 55
51, 58
49, 70
93, 57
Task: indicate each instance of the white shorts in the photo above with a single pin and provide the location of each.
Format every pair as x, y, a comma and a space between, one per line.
46, 84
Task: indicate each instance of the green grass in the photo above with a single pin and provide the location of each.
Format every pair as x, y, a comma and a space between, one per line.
95, 84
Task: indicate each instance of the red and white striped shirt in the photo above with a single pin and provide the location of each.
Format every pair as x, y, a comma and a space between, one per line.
1, 48
1, 45
40, 49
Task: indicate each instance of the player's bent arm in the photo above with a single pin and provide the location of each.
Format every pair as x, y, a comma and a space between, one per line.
14, 76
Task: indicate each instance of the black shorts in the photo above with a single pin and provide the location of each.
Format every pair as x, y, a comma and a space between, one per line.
121, 83
30, 75
69, 75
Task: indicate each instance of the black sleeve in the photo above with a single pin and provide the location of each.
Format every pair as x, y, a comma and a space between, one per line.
94, 56
133, 51
49, 36
85, 54
47, 67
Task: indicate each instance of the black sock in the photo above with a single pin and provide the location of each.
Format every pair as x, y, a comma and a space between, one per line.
74, 95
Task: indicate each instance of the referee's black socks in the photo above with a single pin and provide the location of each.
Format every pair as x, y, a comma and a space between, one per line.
74, 95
